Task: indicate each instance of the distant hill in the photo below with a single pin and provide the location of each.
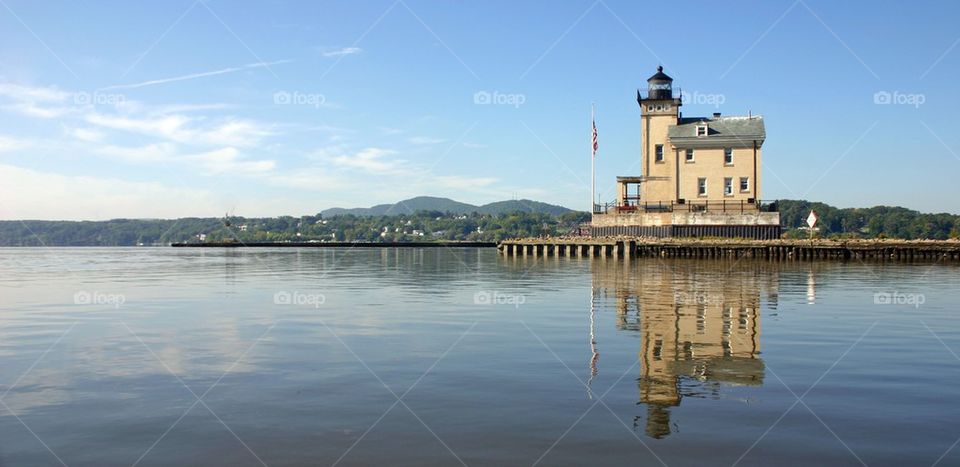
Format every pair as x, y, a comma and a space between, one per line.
430, 203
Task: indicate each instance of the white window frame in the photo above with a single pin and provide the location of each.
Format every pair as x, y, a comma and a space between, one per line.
703, 129
702, 186
727, 186
742, 180
727, 152
649, 107
689, 156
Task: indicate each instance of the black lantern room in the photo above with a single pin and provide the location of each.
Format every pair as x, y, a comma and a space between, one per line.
660, 86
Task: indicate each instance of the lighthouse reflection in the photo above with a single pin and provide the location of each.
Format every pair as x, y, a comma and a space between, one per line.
698, 323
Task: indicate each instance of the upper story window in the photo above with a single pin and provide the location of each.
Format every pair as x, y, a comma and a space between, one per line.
701, 186
658, 155
728, 156
659, 108
744, 183
701, 130
650, 108
689, 155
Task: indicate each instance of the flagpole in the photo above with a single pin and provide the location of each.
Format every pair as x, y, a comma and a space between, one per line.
593, 161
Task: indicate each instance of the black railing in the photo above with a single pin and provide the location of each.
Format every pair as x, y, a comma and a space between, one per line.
644, 94
732, 206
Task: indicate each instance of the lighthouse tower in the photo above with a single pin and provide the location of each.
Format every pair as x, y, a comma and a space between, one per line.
659, 110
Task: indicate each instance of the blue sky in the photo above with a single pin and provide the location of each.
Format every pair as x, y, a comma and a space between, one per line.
197, 108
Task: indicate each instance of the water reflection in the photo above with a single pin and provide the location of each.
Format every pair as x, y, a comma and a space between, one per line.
699, 326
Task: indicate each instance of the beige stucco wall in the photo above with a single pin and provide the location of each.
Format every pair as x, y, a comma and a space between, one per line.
634, 219
685, 218
660, 184
674, 178
709, 164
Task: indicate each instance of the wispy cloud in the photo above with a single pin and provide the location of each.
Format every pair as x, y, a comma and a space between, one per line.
187, 130
36, 101
90, 135
228, 161
370, 160
8, 144
424, 140
203, 74
342, 51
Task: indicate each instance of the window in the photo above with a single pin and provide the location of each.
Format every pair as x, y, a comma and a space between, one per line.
659, 108
728, 156
728, 186
701, 186
701, 130
650, 108
659, 156
744, 183
689, 155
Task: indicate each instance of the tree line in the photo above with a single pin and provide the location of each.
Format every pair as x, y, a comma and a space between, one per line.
432, 225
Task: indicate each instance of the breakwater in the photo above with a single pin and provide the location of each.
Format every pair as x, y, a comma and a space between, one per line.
619, 247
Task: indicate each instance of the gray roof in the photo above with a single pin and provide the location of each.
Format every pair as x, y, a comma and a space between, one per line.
721, 132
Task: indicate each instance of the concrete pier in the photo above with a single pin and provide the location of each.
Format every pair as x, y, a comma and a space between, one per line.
778, 250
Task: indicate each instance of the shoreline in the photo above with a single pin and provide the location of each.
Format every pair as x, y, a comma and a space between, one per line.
452, 244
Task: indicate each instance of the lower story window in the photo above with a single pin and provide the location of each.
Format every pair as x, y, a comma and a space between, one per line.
728, 186
744, 183
701, 187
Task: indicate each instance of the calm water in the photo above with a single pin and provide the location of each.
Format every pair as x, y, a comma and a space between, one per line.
448, 357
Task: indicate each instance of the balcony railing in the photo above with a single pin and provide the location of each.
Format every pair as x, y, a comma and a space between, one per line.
732, 206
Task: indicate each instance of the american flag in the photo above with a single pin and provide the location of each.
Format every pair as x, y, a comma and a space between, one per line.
595, 145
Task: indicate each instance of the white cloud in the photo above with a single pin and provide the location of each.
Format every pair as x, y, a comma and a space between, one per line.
202, 74
342, 52
223, 161
36, 101
30, 194
19, 92
90, 135
312, 179
423, 140
370, 160
8, 144
228, 161
173, 127
156, 152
